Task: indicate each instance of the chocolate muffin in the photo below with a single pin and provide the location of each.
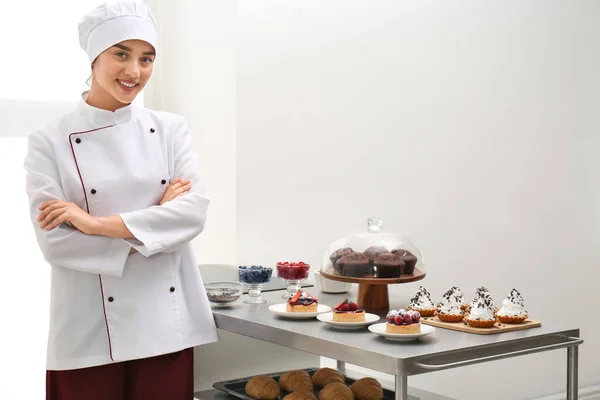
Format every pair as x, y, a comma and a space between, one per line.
410, 260
355, 265
389, 265
373, 251
336, 255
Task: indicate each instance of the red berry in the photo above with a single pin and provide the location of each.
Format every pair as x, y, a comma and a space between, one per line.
339, 306
416, 317
345, 307
353, 306
296, 296
407, 318
391, 319
399, 320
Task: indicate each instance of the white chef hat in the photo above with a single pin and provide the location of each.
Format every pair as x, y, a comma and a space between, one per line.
111, 23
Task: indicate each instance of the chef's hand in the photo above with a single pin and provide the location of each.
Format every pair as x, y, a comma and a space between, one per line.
177, 188
56, 212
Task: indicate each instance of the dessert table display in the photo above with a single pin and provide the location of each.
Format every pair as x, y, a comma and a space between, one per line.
437, 350
374, 328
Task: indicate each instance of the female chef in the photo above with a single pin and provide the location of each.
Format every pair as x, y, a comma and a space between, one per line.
115, 223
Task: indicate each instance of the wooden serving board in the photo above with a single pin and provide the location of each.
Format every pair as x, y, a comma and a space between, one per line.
462, 326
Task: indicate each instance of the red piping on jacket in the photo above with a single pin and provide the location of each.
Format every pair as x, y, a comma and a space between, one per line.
87, 206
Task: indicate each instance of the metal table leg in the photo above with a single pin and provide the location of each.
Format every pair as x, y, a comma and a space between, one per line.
341, 366
401, 387
572, 372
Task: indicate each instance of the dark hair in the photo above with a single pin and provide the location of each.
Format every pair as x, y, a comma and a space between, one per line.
89, 80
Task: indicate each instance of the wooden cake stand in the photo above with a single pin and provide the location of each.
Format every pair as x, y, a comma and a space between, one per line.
373, 292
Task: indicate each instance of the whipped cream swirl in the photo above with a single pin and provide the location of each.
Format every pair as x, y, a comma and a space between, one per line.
422, 299
460, 296
513, 305
481, 292
450, 303
482, 309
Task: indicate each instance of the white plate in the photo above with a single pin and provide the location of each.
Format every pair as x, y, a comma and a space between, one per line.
279, 309
402, 337
328, 318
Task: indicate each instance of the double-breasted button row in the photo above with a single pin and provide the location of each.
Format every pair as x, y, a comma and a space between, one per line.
111, 299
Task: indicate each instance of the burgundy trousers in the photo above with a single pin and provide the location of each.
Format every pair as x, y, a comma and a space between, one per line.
165, 377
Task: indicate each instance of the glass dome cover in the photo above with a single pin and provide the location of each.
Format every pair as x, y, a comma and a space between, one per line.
374, 254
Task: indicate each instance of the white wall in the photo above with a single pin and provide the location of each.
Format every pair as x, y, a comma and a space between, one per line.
194, 76
468, 126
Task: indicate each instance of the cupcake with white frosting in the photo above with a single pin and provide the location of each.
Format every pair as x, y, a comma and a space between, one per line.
513, 309
482, 312
481, 291
449, 309
422, 303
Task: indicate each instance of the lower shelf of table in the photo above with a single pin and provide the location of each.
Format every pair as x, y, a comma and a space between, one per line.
414, 394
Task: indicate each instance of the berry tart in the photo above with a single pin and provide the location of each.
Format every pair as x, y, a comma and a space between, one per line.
301, 302
403, 322
293, 271
348, 311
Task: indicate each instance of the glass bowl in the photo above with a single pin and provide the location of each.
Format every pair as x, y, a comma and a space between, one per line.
293, 274
254, 276
222, 294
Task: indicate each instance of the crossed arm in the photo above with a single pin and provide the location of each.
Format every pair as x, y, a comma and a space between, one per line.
56, 212
71, 238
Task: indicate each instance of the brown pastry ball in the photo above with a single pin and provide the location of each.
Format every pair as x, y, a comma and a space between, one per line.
301, 395
367, 389
336, 391
263, 388
325, 376
295, 380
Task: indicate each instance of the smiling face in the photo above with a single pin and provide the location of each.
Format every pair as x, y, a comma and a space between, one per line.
120, 73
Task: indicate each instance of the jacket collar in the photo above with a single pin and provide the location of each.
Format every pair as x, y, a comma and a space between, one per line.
100, 117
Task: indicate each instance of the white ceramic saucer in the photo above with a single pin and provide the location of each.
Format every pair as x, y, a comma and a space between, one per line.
279, 309
401, 337
328, 318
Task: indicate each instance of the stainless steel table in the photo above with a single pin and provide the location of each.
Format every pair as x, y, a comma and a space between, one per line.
444, 349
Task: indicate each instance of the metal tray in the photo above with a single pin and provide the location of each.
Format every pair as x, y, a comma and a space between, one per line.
236, 387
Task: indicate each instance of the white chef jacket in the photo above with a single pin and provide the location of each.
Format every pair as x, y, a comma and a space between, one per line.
108, 305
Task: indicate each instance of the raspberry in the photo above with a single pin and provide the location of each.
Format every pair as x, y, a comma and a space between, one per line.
391, 316
398, 320
407, 318
352, 306
345, 307
416, 317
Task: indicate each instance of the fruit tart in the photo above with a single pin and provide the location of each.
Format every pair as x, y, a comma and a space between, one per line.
348, 311
403, 321
301, 302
